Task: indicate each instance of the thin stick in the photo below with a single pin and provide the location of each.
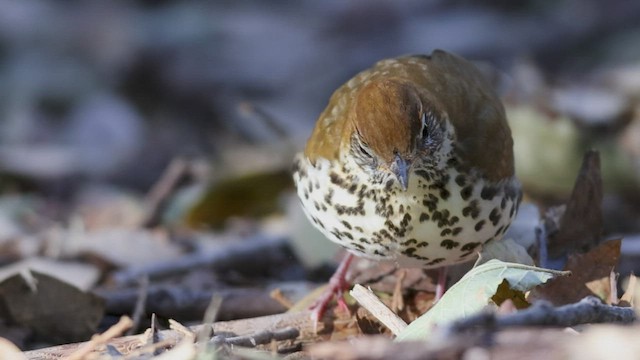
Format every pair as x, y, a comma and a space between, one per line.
141, 302
175, 174
368, 300
96, 340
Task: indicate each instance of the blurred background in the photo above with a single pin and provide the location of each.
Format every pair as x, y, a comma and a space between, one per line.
114, 91
179, 115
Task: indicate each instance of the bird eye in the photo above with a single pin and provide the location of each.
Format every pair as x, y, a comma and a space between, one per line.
364, 151
425, 128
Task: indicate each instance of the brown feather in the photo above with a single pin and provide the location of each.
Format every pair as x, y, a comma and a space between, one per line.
380, 103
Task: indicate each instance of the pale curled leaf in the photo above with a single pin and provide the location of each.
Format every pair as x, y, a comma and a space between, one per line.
506, 250
474, 291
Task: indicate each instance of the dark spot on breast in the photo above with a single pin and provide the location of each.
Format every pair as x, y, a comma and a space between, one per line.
435, 261
456, 231
499, 231
328, 197
350, 210
401, 209
335, 179
410, 241
306, 194
424, 217
503, 203
472, 210
389, 185
431, 203
444, 194
461, 180
346, 224
470, 246
364, 241
409, 251
423, 174
513, 210
352, 189
445, 232
358, 228
449, 244
405, 219
479, 225
423, 244
454, 220
494, 216
489, 239
488, 192
438, 185
466, 192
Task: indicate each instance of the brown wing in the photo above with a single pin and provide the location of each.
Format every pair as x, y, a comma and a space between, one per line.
332, 124
462, 92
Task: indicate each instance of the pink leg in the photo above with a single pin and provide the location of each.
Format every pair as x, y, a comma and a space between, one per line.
336, 285
442, 283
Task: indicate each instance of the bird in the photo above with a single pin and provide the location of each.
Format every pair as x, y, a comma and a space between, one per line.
412, 162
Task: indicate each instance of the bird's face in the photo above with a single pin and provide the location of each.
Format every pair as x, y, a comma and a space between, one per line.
395, 131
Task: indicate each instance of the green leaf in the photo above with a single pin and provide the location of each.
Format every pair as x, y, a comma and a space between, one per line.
474, 291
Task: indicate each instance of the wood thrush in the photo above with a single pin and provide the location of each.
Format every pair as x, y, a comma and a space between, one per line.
411, 161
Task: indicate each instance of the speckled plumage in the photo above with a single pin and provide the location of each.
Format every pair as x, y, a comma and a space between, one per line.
434, 117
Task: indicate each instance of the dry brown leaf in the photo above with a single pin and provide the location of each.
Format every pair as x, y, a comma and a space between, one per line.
589, 276
581, 224
52, 308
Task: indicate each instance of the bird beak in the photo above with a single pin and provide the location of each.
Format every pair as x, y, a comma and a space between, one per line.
400, 169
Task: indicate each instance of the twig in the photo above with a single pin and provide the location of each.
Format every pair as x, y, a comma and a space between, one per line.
249, 109
244, 252
277, 295
139, 309
587, 310
258, 338
613, 288
397, 303
542, 237
177, 326
209, 317
97, 340
185, 303
176, 173
368, 300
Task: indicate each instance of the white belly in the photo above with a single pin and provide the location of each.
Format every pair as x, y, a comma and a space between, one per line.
428, 225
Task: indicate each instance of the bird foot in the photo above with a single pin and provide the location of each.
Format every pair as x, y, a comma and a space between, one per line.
337, 285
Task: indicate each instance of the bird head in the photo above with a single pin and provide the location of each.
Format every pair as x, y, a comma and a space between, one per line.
395, 130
